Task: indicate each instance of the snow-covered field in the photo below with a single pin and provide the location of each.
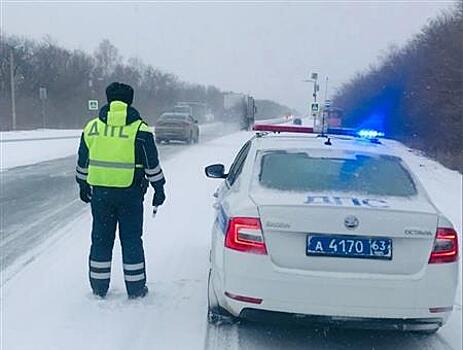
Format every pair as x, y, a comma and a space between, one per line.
48, 304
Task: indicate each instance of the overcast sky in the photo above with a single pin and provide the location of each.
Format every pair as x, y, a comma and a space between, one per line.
265, 49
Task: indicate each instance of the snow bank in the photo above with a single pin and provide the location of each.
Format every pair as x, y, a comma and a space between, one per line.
24, 135
19, 148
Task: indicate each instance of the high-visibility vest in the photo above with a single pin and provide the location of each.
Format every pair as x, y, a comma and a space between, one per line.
112, 148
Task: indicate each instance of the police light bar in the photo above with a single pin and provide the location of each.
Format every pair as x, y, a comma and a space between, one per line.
368, 134
283, 128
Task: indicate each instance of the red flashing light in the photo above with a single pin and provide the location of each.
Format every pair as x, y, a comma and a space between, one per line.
445, 249
243, 298
245, 235
283, 128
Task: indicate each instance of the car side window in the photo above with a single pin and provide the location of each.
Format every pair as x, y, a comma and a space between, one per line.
237, 166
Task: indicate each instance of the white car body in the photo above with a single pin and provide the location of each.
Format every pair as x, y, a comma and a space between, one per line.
407, 292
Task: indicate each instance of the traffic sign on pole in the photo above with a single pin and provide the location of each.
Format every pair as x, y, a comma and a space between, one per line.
315, 107
43, 93
92, 105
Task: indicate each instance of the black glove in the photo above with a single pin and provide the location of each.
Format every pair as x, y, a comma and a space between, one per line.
144, 185
85, 193
159, 196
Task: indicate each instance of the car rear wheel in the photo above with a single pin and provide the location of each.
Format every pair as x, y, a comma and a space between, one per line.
189, 140
215, 313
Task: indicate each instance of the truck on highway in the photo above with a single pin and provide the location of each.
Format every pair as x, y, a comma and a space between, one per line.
241, 108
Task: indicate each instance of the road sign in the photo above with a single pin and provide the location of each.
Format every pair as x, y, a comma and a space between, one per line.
43, 93
315, 107
92, 105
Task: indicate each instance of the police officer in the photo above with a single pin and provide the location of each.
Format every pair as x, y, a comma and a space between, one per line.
117, 159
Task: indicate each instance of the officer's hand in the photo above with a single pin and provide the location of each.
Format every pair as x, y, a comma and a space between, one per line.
159, 197
85, 193
144, 185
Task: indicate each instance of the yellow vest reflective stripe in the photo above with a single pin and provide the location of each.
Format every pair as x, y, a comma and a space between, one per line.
111, 152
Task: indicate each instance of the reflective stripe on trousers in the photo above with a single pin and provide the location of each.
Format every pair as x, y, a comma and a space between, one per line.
134, 272
100, 275
100, 264
134, 278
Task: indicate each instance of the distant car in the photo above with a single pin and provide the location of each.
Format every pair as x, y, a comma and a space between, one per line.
177, 127
297, 121
337, 231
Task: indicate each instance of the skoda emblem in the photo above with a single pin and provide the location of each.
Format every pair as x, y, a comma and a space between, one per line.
351, 222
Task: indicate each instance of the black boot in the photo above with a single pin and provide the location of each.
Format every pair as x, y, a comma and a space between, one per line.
139, 294
99, 293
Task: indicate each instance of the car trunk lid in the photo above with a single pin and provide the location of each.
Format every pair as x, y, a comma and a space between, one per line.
409, 222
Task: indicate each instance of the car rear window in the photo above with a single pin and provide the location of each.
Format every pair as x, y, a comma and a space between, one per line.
299, 171
173, 117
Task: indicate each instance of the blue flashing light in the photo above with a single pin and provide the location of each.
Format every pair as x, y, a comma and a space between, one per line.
369, 133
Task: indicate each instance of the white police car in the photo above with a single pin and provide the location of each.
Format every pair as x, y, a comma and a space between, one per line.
329, 229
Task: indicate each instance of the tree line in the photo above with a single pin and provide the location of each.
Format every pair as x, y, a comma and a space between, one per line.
72, 77
415, 93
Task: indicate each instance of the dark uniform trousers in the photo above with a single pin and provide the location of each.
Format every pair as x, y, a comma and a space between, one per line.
122, 207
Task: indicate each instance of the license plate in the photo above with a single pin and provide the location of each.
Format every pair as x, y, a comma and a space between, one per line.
349, 247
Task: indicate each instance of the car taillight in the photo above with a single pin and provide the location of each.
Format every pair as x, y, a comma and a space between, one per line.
243, 298
445, 247
245, 235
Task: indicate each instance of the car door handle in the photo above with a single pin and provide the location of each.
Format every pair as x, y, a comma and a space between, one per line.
216, 205
216, 194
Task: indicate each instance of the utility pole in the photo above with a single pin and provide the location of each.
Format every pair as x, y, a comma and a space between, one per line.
43, 100
13, 97
326, 88
314, 80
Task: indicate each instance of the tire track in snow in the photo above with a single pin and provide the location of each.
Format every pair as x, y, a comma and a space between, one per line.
221, 336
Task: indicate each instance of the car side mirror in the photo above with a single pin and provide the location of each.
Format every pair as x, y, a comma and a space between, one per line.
216, 171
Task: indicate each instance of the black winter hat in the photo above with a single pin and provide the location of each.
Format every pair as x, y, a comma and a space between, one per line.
119, 92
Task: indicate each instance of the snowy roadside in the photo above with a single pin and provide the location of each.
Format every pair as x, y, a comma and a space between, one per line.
48, 305
19, 148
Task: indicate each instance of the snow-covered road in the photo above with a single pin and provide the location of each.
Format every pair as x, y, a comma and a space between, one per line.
48, 304
41, 195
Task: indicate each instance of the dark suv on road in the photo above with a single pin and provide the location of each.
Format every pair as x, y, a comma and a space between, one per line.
177, 127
